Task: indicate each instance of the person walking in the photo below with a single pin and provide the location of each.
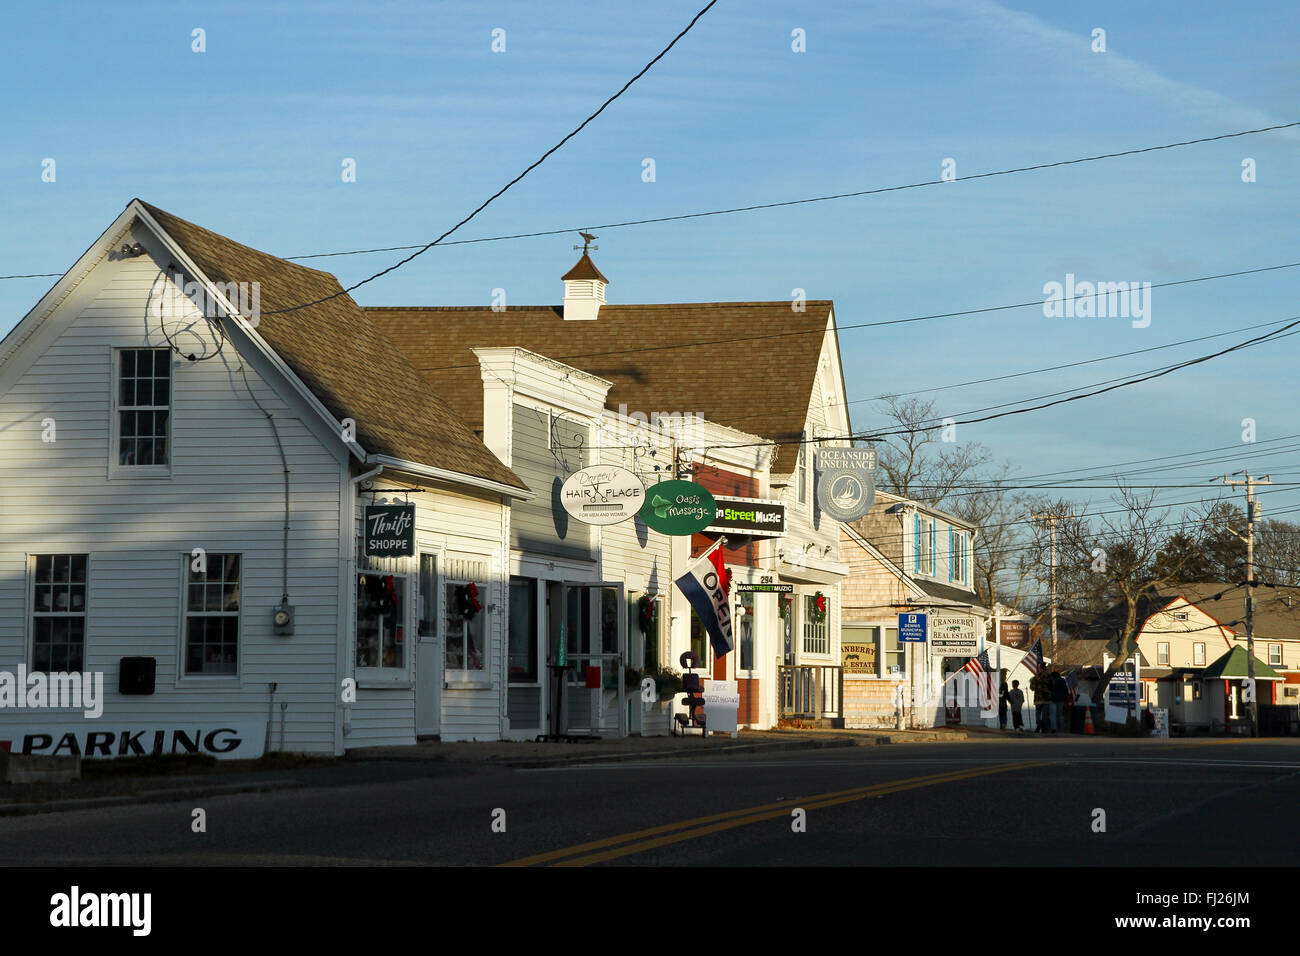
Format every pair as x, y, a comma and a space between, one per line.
1060, 690
1016, 698
1041, 686
1002, 705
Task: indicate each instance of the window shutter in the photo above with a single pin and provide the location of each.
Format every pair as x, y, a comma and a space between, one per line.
952, 555
934, 539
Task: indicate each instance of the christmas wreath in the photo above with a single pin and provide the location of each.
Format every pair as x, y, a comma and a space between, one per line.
467, 602
648, 609
818, 611
783, 605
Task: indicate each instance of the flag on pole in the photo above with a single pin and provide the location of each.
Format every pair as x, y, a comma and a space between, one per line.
706, 584
1034, 659
979, 666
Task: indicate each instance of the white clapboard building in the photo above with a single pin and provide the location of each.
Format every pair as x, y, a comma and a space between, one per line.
184, 464
267, 518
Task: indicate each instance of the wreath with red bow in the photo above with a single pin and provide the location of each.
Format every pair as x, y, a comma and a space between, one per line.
648, 610
818, 611
467, 602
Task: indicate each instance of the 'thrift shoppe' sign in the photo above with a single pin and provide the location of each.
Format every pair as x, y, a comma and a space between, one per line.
389, 531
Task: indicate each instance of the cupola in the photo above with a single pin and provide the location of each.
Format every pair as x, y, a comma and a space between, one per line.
584, 286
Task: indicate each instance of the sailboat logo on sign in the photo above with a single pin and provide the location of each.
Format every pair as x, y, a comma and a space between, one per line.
846, 482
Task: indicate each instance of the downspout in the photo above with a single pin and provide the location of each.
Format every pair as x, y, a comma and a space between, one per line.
349, 666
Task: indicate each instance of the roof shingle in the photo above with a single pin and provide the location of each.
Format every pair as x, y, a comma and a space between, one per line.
746, 365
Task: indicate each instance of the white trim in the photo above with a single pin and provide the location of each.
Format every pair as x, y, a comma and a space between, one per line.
442, 474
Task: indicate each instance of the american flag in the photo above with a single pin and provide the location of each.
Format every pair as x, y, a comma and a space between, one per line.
979, 666
1034, 659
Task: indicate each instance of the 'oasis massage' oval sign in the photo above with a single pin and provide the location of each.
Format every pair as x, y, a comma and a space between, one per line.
678, 507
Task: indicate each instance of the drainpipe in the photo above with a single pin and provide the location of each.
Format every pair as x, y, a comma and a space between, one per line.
349, 667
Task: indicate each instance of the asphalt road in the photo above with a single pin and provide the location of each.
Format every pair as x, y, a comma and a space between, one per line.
1005, 802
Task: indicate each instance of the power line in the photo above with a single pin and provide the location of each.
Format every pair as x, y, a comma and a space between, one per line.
1011, 483
950, 421
579, 128
872, 325
751, 208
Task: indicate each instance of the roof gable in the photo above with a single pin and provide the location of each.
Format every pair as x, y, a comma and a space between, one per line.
351, 367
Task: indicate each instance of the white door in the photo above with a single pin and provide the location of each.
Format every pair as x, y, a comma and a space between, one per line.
595, 639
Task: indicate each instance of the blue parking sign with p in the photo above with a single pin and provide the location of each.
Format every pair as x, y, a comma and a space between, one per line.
911, 628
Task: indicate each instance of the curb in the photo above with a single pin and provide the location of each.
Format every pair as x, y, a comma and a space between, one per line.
774, 746
145, 796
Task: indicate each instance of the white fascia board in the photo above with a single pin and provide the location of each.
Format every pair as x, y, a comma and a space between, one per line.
247, 327
63, 287
837, 362
452, 477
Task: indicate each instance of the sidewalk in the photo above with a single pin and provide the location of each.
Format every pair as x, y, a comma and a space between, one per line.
526, 754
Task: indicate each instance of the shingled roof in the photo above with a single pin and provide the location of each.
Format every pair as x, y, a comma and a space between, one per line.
342, 357
747, 365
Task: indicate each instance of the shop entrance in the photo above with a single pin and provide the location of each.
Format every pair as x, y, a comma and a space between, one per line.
587, 634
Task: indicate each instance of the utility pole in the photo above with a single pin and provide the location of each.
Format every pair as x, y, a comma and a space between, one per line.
1051, 518
1251, 511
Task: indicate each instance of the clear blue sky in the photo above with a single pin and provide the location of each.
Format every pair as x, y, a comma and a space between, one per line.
248, 139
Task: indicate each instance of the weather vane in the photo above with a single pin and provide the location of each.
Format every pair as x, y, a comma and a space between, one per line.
587, 240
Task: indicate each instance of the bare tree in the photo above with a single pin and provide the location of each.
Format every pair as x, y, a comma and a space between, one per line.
918, 463
1126, 556
1277, 552
1000, 533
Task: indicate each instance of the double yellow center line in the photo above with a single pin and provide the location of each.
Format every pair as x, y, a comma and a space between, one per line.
639, 841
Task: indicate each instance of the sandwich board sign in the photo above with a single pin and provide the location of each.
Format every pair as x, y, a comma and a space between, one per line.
721, 706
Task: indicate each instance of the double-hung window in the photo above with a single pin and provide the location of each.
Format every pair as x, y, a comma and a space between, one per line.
1274, 654
212, 615
957, 565
59, 583
1198, 655
142, 410
816, 635
894, 653
1162, 654
925, 546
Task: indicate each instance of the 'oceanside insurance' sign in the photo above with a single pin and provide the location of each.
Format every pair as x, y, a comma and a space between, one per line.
954, 635
846, 481
749, 516
602, 494
389, 531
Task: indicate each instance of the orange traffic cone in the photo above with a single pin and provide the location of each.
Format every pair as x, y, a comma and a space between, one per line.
1087, 721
